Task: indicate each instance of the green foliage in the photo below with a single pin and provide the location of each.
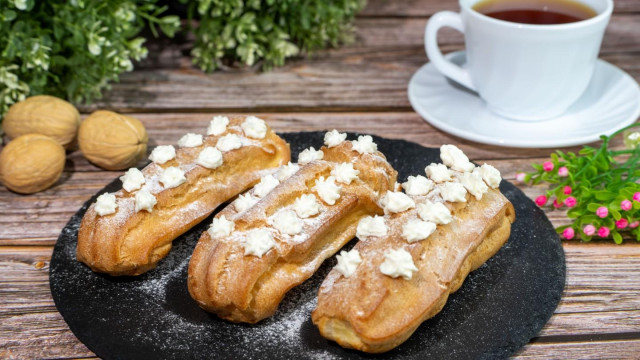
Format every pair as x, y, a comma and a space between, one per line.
597, 178
71, 48
245, 32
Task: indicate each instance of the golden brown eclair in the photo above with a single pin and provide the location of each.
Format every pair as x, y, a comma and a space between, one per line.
130, 242
373, 311
228, 279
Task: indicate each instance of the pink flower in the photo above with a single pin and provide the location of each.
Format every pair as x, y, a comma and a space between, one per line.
520, 177
570, 201
634, 224
622, 223
589, 230
636, 196
541, 200
603, 232
557, 204
602, 212
547, 166
626, 205
567, 190
568, 233
563, 171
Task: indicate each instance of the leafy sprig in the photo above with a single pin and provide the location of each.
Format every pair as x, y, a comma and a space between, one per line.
72, 49
598, 186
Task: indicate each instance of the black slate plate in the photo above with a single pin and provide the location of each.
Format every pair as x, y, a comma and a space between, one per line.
500, 307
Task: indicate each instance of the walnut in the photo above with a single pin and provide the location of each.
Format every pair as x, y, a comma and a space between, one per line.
31, 163
43, 114
112, 141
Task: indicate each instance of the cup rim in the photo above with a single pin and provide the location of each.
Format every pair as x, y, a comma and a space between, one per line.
602, 16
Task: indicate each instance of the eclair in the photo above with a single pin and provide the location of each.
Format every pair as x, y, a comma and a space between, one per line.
407, 262
129, 231
276, 236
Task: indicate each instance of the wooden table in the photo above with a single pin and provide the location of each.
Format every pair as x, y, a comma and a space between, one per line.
361, 87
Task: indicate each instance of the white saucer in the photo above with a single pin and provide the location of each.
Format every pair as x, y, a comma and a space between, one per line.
611, 101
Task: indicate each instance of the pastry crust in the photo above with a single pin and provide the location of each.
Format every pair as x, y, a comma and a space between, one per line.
131, 243
373, 312
248, 288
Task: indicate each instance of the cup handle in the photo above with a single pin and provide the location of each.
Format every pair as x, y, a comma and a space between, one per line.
446, 67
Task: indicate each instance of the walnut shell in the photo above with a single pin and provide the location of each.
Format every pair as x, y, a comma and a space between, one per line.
112, 141
31, 163
43, 114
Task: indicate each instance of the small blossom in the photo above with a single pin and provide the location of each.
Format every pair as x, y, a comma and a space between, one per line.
568, 233
589, 230
563, 171
602, 212
634, 224
567, 190
547, 166
541, 200
626, 205
622, 223
603, 232
570, 201
636, 196
520, 177
557, 204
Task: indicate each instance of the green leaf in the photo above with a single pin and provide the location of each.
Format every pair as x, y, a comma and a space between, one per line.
616, 237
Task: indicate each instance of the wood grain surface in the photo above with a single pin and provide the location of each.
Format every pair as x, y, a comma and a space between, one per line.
360, 88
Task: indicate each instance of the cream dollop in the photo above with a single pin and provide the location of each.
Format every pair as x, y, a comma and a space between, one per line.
218, 125
244, 201
163, 153
364, 144
190, 140
266, 184
229, 142
145, 201
306, 206
453, 192
474, 184
132, 180
345, 173
454, 158
327, 189
334, 138
416, 230
417, 185
286, 171
106, 204
490, 175
209, 157
434, 212
172, 177
348, 262
221, 227
395, 202
438, 172
258, 242
310, 154
371, 226
287, 222
398, 263
254, 127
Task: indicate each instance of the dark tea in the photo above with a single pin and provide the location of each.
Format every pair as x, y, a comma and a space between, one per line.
537, 12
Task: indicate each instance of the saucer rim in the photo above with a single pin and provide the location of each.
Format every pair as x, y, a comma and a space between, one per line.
445, 126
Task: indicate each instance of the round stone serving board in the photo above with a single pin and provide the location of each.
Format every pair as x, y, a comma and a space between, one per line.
499, 308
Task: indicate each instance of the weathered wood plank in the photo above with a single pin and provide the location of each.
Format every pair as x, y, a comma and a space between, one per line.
420, 8
600, 300
583, 350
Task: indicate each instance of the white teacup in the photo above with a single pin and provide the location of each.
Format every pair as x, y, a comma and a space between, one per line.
522, 71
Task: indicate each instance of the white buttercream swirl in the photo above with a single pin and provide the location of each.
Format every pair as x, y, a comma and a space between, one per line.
364, 144
348, 262
371, 226
172, 177
287, 222
438, 172
398, 263
474, 184
417, 185
310, 154
258, 242
434, 212
454, 158
145, 201
334, 138
221, 227
244, 201
229, 142
395, 202
254, 127
106, 204
163, 153
266, 184
490, 175
190, 140
416, 230
453, 192
132, 180
209, 157
306, 206
327, 189
217, 125
286, 171
345, 173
